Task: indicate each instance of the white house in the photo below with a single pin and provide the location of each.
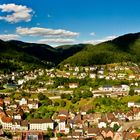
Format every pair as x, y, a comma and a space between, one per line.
92, 75
137, 90
133, 104
102, 125
23, 101
101, 72
62, 126
33, 104
131, 76
21, 81
130, 104
41, 124
125, 88
73, 85
100, 76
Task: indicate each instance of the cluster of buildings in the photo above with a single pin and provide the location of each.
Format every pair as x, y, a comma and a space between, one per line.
108, 72
74, 125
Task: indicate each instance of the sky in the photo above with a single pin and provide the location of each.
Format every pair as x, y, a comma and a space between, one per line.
58, 22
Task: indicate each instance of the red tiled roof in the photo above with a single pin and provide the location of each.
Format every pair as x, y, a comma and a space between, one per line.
6, 119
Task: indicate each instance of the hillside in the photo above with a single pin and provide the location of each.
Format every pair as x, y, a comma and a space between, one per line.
123, 48
17, 55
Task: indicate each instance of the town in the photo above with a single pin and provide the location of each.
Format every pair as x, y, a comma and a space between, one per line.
98, 102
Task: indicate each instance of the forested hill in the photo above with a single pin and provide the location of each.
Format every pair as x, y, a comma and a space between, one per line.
17, 55
123, 48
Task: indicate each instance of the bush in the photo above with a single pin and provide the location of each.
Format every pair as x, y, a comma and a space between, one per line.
63, 96
68, 97
56, 104
41, 96
63, 103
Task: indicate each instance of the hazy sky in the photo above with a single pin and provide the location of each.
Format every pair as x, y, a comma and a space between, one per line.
58, 22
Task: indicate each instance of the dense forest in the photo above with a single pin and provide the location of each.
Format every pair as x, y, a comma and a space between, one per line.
17, 55
124, 48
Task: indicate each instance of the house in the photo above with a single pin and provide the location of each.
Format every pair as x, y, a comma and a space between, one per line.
6, 122
7, 101
50, 82
25, 108
121, 76
42, 90
133, 104
117, 88
73, 85
91, 132
23, 101
120, 115
32, 135
41, 124
63, 114
13, 106
77, 121
24, 125
62, 125
75, 135
110, 117
17, 116
107, 132
62, 121
77, 69
21, 81
101, 72
102, 122
86, 69
100, 76
137, 90
131, 76
130, 115
106, 88
136, 112
92, 68
33, 104
92, 75
16, 124
125, 88
91, 119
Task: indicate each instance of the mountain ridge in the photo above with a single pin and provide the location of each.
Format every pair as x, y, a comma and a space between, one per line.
18, 55
122, 48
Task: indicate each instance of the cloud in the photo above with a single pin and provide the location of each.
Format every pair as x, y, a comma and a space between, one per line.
6, 37
93, 34
56, 41
45, 32
18, 13
99, 40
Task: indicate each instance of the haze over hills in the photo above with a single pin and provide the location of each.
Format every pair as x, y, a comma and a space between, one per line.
17, 55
